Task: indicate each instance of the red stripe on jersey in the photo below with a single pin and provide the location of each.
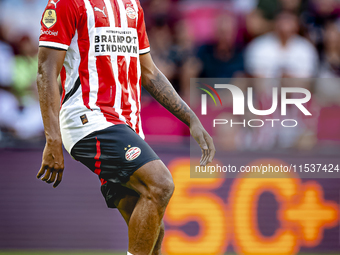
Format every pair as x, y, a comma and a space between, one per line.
107, 89
84, 47
133, 83
131, 22
63, 80
98, 163
122, 77
116, 11
100, 13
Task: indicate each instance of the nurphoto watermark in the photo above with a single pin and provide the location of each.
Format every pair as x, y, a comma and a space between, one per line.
263, 128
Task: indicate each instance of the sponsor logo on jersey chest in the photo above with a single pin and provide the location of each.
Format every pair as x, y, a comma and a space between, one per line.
132, 153
108, 41
49, 18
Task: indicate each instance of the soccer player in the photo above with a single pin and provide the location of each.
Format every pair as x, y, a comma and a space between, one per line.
101, 51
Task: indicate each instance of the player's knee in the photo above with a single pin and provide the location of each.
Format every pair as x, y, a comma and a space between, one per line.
162, 193
168, 189
165, 191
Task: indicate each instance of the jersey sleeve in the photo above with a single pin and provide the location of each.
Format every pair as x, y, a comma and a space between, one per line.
58, 24
144, 45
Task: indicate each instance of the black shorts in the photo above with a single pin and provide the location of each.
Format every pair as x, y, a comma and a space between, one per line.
114, 154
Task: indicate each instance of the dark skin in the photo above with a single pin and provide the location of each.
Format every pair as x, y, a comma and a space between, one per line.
126, 207
161, 89
50, 64
152, 182
154, 185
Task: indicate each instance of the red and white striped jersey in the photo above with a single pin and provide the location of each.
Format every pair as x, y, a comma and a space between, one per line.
101, 75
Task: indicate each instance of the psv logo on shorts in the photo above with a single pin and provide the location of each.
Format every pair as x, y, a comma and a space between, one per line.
132, 153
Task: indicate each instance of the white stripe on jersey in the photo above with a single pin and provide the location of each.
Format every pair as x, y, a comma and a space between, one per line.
123, 18
93, 79
111, 13
143, 51
53, 44
118, 96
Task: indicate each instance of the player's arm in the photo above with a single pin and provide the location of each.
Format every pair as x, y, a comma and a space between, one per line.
161, 89
49, 67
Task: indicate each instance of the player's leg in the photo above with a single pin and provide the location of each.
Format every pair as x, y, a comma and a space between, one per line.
119, 156
154, 184
126, 206
157, 250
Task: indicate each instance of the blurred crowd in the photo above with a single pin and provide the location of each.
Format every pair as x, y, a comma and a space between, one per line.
207, 39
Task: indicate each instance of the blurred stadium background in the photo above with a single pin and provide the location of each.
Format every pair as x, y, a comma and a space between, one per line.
189, 38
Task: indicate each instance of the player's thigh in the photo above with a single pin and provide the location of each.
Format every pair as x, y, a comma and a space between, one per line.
114, 153
126, 206
152, 178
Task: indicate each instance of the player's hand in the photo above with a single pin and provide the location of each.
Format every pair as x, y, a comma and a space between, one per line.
52, 164
205, 142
